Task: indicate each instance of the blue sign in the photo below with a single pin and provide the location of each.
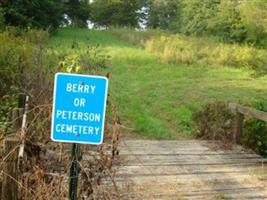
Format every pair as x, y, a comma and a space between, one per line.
79, 108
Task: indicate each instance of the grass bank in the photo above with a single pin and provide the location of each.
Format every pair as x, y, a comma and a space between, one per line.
156, 99
180, 49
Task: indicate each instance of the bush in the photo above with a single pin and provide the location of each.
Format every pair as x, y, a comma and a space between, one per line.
136, 37
2, 19
73, 59
214, 122
21, 53
255, 132
16, 56
178, 49
36, 37
22, 69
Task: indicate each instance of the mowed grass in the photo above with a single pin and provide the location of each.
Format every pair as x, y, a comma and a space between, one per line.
154, 99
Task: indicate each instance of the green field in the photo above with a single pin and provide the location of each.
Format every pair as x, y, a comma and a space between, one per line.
155, 99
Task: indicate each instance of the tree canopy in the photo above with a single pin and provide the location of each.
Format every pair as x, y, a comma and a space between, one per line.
228, 20
32, 13
78, 11
164, 14
114, 13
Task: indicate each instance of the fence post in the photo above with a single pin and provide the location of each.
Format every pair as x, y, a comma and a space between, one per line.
10, 188
10, 170
238, 127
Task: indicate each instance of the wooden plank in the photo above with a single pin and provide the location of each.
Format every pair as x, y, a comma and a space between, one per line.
216, 174
189, 156
241, 194
176, 147
174, 170
187, 185
196, 155
170, 179
184, 162
167, 169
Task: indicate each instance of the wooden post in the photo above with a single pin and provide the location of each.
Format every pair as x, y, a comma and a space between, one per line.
10, 171
238, 127
16, 119
22, 101
10, 188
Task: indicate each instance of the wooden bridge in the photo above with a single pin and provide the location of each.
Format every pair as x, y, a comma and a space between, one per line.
194, 169
190, 169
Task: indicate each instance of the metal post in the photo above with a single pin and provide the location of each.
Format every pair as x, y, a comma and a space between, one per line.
74, 172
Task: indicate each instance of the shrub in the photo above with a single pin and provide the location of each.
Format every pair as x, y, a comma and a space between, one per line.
36, 37
16, 55
89, 59
138, 37
178, 49
214, 122
2, 19
255, 132
22, 69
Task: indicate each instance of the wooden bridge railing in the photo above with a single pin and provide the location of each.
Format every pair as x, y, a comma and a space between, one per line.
240, 112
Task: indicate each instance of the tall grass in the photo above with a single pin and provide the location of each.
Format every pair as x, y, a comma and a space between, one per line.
136, 37
180, 49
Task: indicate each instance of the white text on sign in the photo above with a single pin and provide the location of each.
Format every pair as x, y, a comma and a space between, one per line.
78, 116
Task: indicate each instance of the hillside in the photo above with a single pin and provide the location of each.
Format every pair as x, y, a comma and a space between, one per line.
156, 99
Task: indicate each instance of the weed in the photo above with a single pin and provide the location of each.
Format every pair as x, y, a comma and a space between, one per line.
215, 122
255, 132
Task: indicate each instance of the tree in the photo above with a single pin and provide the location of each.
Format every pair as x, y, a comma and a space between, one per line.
196, 16
164, 14
78, 11
227, 23
46, 14
254, 17
2, 19
114, 13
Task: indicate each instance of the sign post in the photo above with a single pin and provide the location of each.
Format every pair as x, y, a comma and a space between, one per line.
78, 115
74, 172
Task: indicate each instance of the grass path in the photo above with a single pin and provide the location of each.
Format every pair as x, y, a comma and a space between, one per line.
155, 99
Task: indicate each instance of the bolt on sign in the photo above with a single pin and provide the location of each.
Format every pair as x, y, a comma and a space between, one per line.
79, 108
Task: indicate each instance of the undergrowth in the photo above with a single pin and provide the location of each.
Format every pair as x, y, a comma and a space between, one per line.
137, 37
215, 121
255, 131
28, 66
180, 49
